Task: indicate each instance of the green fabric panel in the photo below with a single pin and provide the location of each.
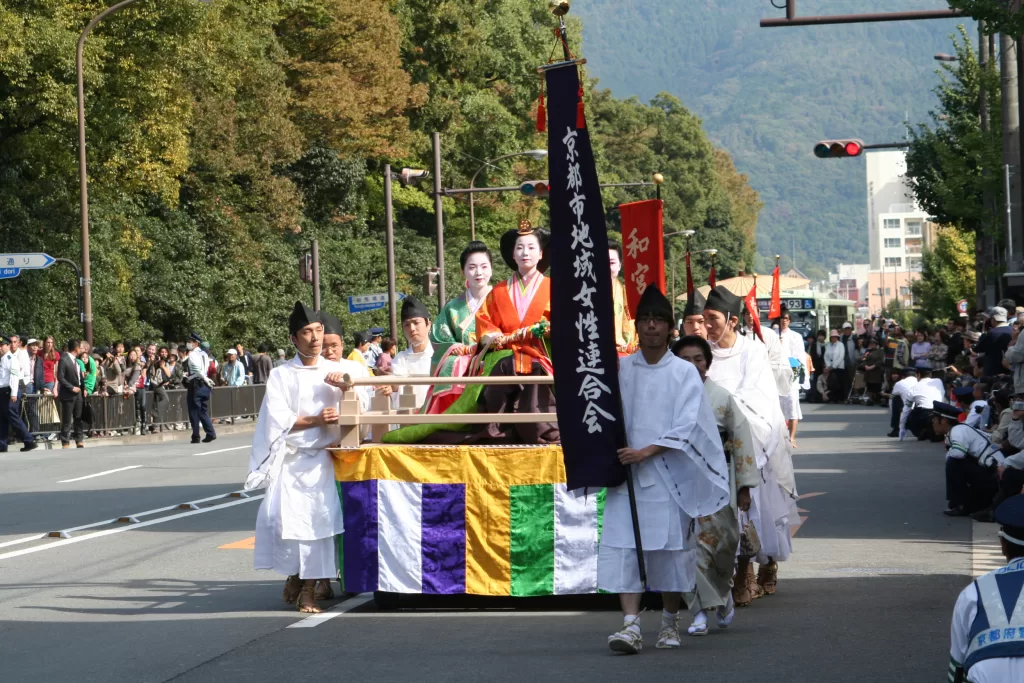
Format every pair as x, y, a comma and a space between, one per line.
532, 539
466, 403
601, 495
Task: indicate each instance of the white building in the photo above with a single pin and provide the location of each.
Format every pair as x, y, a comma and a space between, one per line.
896, 225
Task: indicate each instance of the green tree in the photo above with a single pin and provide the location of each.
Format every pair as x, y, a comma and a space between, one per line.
947, 274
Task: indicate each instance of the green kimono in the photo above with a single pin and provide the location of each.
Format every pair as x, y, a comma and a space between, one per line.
455, 324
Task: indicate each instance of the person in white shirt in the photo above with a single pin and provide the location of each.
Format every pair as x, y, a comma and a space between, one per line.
10, 392
792, 349
916, 414
835, 367
898, 398
987, 630
414, 361
198, 386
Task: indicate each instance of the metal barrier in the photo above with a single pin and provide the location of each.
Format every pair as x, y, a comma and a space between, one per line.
118, 413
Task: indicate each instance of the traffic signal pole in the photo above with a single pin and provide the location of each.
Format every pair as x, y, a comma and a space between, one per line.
793, 20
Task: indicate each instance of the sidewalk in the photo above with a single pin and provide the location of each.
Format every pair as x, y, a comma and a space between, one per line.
246, 427
986, 554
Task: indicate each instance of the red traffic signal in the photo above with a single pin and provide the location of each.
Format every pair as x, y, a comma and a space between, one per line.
535, 188
838, 149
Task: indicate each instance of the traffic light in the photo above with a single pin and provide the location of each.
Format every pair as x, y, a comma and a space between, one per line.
430, 282
838, 149
535, 188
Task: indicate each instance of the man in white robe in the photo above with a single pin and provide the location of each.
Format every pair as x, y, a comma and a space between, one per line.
414, 361
792, 347
741, 366
301, 513
679, 472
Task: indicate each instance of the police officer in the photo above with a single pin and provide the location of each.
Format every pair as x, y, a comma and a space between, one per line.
971, 461
10, 386
987, 635
198, 386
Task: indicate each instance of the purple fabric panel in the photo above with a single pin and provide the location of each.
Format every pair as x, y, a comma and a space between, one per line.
359, 506
444, 538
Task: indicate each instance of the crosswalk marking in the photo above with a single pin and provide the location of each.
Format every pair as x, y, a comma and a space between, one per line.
986, 553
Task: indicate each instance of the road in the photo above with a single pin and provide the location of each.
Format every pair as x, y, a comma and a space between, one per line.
866, 596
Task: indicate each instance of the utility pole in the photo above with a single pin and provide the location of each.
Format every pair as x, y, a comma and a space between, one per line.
316, 274
983, 247
439, 215
1011, 141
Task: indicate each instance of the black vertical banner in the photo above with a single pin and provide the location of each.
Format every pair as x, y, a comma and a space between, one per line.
582, 330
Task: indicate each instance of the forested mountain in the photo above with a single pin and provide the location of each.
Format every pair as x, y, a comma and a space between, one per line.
767, 95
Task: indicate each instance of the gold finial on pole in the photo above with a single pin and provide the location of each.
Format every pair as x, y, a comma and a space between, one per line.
559, 7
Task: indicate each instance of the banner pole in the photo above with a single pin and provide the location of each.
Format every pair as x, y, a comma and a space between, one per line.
636, 527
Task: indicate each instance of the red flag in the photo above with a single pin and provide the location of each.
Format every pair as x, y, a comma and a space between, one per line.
643, 252
750, 301
775, 307
689, 275
711, 277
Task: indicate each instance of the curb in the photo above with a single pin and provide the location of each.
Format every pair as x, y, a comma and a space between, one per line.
183, 436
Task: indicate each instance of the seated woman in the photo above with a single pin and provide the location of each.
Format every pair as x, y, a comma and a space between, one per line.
515, 316
453, 334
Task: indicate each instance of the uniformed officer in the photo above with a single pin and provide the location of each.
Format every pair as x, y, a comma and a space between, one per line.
198, 386
987, 635
971, 460
10, 386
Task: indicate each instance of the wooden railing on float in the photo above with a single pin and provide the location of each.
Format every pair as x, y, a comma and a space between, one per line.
382, 416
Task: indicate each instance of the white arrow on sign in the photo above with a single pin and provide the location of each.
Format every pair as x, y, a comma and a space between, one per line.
26, 261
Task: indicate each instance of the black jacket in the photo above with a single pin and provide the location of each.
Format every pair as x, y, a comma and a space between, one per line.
68, 376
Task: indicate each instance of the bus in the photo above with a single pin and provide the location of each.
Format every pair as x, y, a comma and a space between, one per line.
811, 311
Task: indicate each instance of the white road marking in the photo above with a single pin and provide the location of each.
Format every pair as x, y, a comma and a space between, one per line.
222, 450
819, 471
121, 529
24, 539
99, 474
314, 620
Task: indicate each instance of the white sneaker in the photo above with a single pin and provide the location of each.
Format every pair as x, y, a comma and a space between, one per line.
627, 641
668, 638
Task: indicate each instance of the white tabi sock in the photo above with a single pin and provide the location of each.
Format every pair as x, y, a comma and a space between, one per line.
631, 622
700, 617
669, 618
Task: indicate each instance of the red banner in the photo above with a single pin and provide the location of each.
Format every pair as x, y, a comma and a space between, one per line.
750, 301
643, 252
775, 307
711, 278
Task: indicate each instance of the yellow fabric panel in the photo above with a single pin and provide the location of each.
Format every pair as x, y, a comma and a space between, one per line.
503, 466
488, 539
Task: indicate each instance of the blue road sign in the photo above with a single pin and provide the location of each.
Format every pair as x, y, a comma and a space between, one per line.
368, 302
26, 261
8, 273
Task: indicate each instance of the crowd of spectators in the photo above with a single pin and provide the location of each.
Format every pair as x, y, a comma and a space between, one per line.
961, 384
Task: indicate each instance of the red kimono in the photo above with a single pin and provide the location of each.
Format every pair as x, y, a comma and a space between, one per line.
499, 314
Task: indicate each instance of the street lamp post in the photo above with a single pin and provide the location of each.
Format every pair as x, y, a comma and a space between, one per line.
687, 234
83, 176
536, 154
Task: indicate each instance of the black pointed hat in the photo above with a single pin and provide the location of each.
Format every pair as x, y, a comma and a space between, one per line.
301, 316
694, 304
654, 304
508, 245
722, 300
331, 324
412, 308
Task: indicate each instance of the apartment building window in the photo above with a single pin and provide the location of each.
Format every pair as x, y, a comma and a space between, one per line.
888, 291
913, 228
913, 263
893, 262
904, 291
891, 223
893, 242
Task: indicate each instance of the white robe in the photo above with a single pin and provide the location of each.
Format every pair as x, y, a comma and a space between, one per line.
792, 347
410, 364
664, 405
744, 370
301, 512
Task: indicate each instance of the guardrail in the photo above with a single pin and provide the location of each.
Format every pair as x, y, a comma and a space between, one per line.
381, 416
162, 409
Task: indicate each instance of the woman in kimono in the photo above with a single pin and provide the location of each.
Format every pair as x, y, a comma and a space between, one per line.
453, 334
742, 367
515, 317
625, 327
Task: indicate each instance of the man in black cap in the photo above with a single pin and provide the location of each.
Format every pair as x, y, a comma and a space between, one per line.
971, 461
900, 395
693, 315
373, 353
414, 360
679, 467
301, 515
333, 347
199, 388
987, 634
